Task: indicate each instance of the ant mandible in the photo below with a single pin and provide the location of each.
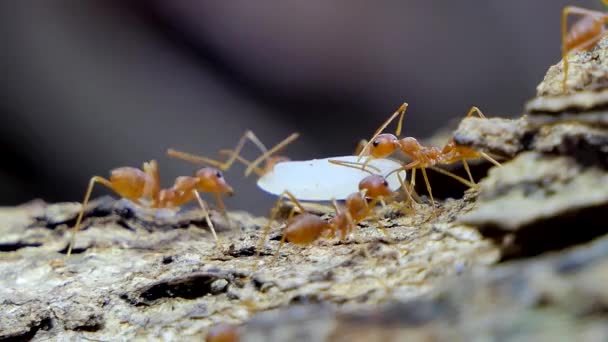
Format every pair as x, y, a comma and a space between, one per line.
382, 145
136, 184
583, 34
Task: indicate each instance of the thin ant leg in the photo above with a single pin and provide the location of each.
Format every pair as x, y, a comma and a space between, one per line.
405, 189
370, 213
222, 207
268, 153
428, 185
456, 177
224, 166
400, 112
151, 170
490, 159
468, 170
205, 210
475, 110
94, 179
243, 161
355, 165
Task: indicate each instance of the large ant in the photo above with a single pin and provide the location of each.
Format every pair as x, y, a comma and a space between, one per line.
135, 184
234, 155
422, 157
583, 34
306, 228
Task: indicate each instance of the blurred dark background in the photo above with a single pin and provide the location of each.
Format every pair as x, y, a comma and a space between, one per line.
87, 86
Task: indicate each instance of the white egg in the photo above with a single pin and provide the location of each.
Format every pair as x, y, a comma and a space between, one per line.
320, 180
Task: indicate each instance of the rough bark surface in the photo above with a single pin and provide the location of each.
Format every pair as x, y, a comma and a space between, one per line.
158, 274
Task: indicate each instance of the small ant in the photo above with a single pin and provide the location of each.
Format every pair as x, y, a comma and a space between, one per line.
382, 145
135, 184
234, 155
306, 228
583, 34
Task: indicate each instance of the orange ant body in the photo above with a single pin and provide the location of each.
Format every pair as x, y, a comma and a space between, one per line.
234, 155
382, 145
135, 184
583, 34
306, 228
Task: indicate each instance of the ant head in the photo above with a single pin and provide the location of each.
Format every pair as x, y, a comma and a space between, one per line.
410, 145
212, 180
375, 186
384, 145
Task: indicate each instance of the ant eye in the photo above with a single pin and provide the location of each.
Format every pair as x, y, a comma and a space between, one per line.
218, 175
375, 143
385, 183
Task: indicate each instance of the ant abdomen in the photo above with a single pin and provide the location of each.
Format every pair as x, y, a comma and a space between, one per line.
129, 182
305, 229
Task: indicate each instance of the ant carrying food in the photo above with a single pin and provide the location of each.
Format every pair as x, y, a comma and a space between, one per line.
144, 184
583, 34
306, 228
382, 145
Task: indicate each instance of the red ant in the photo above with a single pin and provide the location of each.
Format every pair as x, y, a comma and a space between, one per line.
583, 34
306, 228
234, 155
382, 145
135, 184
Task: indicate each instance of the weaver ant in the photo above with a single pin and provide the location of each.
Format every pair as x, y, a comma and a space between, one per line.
234, 155
306, 228
144, 184
382, 145
583, 34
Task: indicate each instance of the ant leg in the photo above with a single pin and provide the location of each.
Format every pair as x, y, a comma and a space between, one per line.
468, 170
276, 255
413, 178
490, 159
456, 177
243, 161
400, 112
270, 152
405, 189
152, 188
224, 166
222, 207
428, 185
371, 214
356, 165
201, 203
94, 179
475, 110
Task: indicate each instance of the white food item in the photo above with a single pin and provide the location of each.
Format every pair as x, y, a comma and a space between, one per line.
320, 180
